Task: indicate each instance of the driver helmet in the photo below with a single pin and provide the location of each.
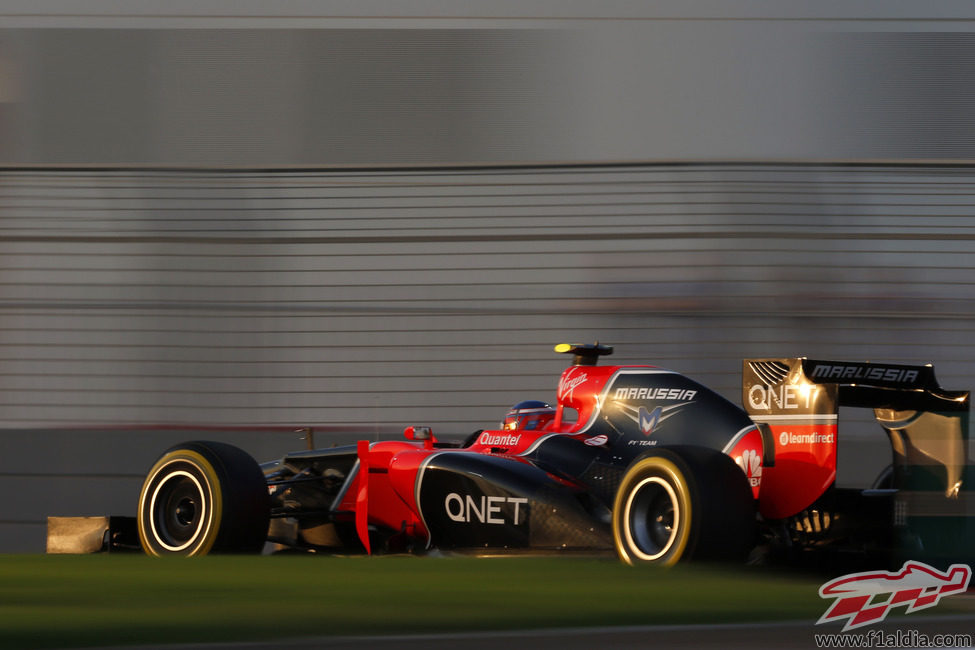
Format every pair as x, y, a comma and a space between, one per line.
530, 415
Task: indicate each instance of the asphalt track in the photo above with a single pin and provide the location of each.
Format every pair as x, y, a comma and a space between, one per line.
753, 636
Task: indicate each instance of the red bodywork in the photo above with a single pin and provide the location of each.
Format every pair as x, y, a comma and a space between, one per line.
804, 457
784, 439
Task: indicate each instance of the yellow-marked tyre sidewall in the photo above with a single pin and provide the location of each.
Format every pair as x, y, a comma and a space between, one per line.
175, 463
662, 471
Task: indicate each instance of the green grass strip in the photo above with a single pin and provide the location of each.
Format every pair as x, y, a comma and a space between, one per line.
99, 600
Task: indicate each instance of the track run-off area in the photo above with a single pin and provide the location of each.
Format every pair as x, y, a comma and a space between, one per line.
300, 601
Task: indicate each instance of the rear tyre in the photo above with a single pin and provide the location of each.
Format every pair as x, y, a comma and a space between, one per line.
203, 497
683, 503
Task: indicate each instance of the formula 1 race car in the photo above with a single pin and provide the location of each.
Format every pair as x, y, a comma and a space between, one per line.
633, 458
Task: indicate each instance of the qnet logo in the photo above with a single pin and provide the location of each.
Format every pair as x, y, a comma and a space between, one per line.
866, 598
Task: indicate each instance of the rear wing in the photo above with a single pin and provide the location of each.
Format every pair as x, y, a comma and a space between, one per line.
785, 385
927, 425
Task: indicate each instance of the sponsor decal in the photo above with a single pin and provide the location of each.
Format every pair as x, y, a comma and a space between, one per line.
642, 443
750, 462
783, 396
568, 383
649, 421
866, 598
787, 438
862, 372
484, 509
596, 441
499, 440
654, 393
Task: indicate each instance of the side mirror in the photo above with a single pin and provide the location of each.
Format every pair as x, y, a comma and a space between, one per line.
418, 433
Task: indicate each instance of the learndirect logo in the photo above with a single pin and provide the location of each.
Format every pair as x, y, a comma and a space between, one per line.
786, 438
867, 598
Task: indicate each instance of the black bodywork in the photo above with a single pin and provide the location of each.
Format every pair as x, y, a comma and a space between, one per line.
559, 493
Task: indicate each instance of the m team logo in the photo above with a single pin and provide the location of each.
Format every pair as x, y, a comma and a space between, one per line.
649, 421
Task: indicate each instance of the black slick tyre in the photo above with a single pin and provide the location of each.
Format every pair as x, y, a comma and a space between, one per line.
683, 503
201, 498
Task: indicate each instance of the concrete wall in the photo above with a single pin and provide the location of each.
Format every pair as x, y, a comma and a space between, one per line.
380, 83
140, 308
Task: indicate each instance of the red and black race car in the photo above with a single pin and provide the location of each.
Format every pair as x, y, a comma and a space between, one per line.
636, 459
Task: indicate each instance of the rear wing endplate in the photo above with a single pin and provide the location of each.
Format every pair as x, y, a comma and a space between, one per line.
927, 425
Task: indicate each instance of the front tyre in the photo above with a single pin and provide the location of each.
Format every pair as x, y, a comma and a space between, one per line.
203, 497
681, 503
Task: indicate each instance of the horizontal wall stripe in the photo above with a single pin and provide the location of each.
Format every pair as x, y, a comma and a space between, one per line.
139, 308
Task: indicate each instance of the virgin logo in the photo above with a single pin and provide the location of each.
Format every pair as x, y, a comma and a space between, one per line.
568, 384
